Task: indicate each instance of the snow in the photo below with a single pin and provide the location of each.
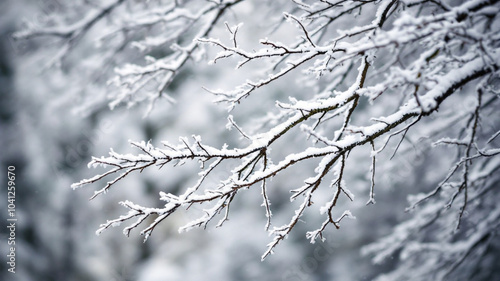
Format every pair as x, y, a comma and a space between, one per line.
317, 142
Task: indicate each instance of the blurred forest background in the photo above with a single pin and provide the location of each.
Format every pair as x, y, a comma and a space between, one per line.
53, 119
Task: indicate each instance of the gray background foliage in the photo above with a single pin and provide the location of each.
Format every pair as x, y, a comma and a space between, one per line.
50, 142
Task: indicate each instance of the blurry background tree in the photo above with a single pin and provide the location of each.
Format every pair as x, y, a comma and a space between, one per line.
329, 100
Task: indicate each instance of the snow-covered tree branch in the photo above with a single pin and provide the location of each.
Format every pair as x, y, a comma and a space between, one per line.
375, 77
